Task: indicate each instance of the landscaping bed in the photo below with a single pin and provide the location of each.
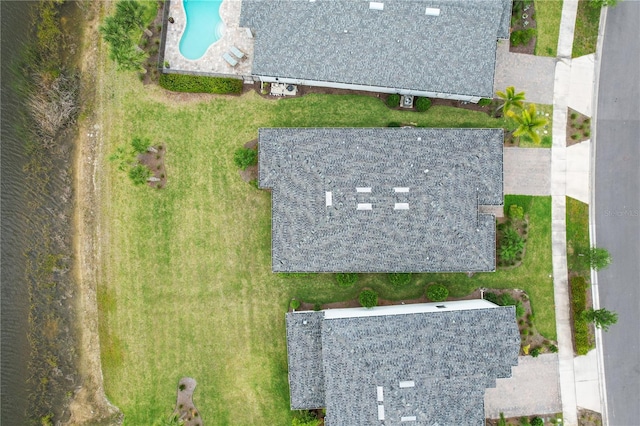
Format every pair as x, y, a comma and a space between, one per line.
523, 27
578, 127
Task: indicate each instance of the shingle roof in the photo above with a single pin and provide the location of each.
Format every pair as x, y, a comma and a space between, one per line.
451, 357
433, 227
343, 41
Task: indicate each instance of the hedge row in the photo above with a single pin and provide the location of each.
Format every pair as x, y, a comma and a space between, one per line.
200, 84
578, 305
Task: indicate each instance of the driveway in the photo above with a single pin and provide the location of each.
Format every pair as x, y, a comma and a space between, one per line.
532, 389
527, 171
533, 75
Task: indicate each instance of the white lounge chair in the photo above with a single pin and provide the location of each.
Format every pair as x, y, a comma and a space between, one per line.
229, 59
237, 52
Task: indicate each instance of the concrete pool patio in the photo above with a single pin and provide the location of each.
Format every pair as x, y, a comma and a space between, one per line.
211, 62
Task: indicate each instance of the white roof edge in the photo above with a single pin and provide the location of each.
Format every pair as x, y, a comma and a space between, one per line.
414, 308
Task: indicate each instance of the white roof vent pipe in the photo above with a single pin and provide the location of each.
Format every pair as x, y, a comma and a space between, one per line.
376, 5
432, 11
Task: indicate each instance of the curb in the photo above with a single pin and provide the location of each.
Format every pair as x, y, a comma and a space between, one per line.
592, 213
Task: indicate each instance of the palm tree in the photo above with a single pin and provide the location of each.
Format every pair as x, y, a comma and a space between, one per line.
511, 99
528, 123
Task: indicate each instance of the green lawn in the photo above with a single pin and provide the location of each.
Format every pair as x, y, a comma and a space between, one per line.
186, 287
578, 237
585, 37
548, 13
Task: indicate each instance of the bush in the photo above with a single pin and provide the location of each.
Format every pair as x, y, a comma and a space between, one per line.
535, 352
139, 174
200, 84
578, 305
485, 102
422, 104
294, 304
393, 100
346, 279
305, 418
491, 297
368, 298
524, 421
521, 37
437, 293
599, 258
516, 212
394, 124
245, 157
519, 309
140, 145
317, 306
537, 421
511, 244
399, 279
553, 349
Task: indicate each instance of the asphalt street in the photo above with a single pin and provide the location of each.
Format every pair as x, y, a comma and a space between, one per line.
617, 208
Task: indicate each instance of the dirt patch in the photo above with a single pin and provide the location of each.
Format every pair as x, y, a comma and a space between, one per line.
578, 127
185, 408
250, 174
154, 160
523, 18
589, 418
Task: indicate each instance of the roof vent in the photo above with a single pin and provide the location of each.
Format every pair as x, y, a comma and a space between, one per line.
401, 189
364, 206
401, 206
363, 189
376, 5
328, 195
432, 11
407, 384
380, 412
380, 394
408, 418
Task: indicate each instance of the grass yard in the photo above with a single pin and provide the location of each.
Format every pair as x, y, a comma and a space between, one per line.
585, 38
548, 13
186, 287
578, 237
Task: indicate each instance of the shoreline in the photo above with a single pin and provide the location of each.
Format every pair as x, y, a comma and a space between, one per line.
89, 404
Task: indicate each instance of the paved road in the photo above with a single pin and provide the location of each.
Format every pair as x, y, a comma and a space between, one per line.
617, 207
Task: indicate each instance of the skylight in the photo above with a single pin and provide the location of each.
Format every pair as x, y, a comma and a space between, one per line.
432, 11
376, 5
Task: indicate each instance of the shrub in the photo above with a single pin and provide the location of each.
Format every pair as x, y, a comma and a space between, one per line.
578, 305
553, 349
574, 115
599, 258
394, 124
521, 37
368, 298
586, 133
294, 304
537, 421
422, 104
535, 352
516, 212
399, 279
437, 293
511, 244
140, 145
524, 421
200, 84
317, 306
485, 102
546, 140
575, 136
305, 418
507, 300
393, 100
182, 387
491, 297
139, 174
346, 279
519, 309
245, 157
601, 318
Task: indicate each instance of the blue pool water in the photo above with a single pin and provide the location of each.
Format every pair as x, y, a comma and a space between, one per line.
204, 27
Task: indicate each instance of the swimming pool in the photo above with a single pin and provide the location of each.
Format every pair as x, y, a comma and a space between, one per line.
204, 27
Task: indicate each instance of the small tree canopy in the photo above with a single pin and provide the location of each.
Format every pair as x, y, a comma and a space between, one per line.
601, 318
368, 298
599, 258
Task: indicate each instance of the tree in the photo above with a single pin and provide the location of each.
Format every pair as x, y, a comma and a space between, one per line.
529, 122
510, 99
601, 318
599, 258
121, 30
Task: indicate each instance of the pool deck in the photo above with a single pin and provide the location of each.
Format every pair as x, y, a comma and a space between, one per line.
212, 62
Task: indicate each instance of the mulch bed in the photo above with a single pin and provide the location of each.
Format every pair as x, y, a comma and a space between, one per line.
151, 44
578, 128
521, 226
185, 408
530, 47
589, 418
155, 162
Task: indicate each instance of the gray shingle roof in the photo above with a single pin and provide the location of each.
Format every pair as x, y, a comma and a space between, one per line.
451, 356
448, 173
343, 41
